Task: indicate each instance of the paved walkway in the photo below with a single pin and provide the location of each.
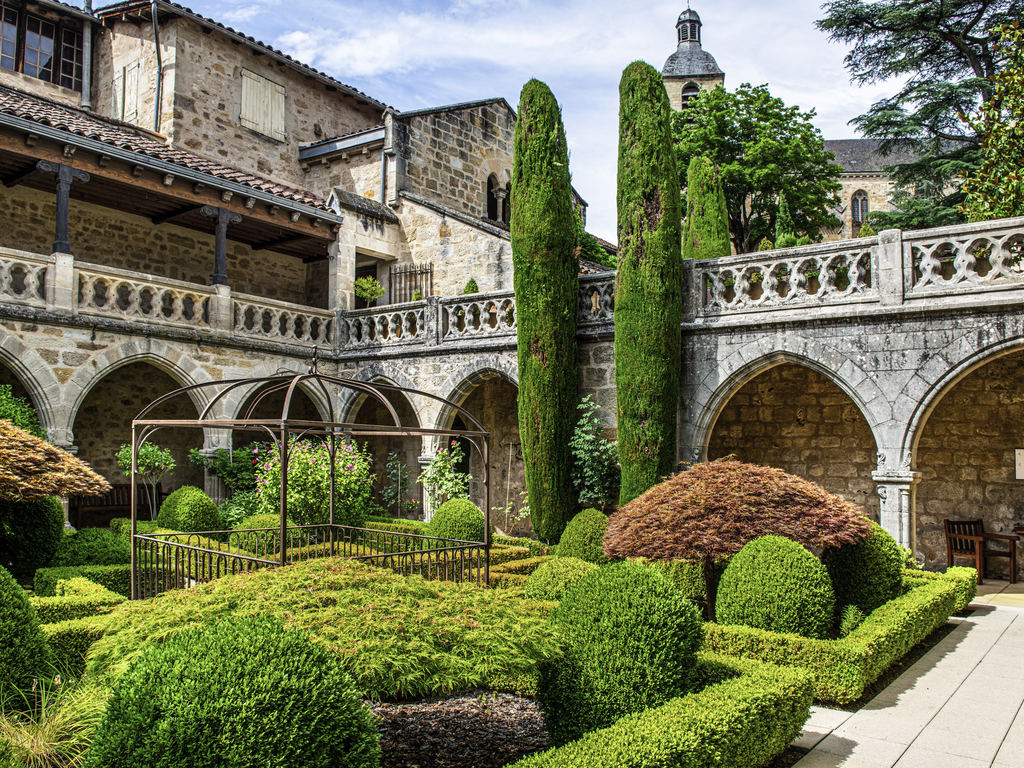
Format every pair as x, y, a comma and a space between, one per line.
961, 705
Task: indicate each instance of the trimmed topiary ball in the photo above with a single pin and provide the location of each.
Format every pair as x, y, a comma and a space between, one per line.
583, 537
30, 532
24, 654
196, 700
866, 574
554, 578
457, 519
189, 509
92, 546
630, 639
776, 584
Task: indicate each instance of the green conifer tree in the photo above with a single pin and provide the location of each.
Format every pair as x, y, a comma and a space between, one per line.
706, 228
785, 234
648, 290
546, 288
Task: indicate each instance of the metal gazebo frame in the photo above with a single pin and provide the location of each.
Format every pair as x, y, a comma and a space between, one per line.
161, 561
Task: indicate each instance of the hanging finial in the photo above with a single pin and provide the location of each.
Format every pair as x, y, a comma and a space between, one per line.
315, 361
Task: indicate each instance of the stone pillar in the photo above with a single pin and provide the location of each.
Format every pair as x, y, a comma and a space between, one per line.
890, 266
691, 296
896, 507
62, 439
341, 274
60, 287
424, 462
215, 440
222, 315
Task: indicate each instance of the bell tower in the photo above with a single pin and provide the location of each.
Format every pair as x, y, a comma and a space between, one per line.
690, 69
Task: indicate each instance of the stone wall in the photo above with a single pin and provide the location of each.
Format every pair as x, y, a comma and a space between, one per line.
408, 449
966, 457
110, 238
458, 251
207, 104
674, 86
449, 154
596, 362
104, 423
797, 420
358, 173
877, 185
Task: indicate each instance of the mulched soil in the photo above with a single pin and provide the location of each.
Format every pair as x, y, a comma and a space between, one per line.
479, 729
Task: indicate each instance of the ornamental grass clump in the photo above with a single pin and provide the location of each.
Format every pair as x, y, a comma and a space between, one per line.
583, 537
399, 637
196, 700
309, 483
710, 511
51, 725
630, 644
555, 577
24, 654
867, 573
778, 585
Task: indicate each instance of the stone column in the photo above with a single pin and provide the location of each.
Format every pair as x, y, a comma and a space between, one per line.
341, 274
60, 287
896, 507
66, 175
215, 440
424, 462
890, 266
222, 316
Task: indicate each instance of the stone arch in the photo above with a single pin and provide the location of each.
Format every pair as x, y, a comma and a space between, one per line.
464, 379
39, 382
234, 404
351, 400
743, 365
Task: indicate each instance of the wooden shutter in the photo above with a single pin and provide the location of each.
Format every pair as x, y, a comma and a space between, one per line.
131, 93
262, 105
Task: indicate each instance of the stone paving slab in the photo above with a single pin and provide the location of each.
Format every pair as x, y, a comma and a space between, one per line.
961, 705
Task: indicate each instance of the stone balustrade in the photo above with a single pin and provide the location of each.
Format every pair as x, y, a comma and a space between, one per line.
134, 296
23, 277
986, 255
477, 315
597, 299
281, 321
389, 326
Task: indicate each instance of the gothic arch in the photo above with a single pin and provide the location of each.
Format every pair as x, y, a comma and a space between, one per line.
231, 406
461, 383
380, 372
748, 362
38, 379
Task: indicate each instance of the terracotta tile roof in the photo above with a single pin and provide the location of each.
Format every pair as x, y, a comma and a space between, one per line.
129, 137
181, 10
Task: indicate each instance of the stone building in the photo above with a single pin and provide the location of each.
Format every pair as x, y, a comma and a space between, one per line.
159, 228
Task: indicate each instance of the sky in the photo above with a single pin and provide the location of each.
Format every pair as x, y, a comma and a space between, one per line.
429, 53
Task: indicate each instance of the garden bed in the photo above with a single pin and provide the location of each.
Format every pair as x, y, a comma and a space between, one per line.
843, 668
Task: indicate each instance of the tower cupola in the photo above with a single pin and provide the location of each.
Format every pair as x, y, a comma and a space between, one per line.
688, 27
690, 69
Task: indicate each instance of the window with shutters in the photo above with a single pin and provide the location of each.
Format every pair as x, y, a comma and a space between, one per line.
262, 105
130, 93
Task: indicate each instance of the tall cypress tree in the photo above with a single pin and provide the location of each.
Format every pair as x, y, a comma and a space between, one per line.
785, 234
648, 289
546, 286
706, 229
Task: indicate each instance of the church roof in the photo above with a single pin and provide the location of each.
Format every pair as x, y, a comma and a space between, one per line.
862, 155
690, 59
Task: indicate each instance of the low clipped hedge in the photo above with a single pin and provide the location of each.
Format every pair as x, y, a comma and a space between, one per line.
745, 716
557, 576
76, 598
537, 548
843, 668
122, 526
502, 554
92, 546
514, 574
964, 579
116, 578
71, 640
583, 537
775, 584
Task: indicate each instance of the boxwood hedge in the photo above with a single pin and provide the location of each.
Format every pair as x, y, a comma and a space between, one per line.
843, 668
747, 714
515, 572
116, 578
75, 599
71, 640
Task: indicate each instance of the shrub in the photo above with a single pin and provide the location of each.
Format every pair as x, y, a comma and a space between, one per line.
71, 640
236, 468
776, 584
866, 573
648, 302
545, 278
92, 546
470, 287
441, 478
843, 668
24, 654
19, 412
745, 718
556, 577
30, 532
689, 577
536, 548
595, 459
189, 509
459, 519
765, 245
309, 483
630, 640
195, 700
416, 638
514, 574
851, 618
501, 554
583, 537
241, 505
964, 579
116, 578
260, 542
76, 598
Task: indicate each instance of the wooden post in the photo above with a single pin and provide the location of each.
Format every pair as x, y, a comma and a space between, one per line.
66, 175
220, 258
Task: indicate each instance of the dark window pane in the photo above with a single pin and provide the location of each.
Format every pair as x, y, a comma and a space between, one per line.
71, 59
8, 38
39, 45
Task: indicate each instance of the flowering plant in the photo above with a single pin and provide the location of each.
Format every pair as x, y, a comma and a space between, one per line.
309, 482
442, 480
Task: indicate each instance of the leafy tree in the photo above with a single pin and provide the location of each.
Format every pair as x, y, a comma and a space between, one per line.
442, 480
762, 148
706, 226
648, 286
19, 412
587, 247
996, 189
546, 288
151, 466
945, 55
785, 234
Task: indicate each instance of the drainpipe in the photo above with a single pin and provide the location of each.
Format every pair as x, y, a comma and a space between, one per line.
87, 58
159, 70
383, 175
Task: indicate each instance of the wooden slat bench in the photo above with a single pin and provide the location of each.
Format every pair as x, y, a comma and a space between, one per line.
98, 511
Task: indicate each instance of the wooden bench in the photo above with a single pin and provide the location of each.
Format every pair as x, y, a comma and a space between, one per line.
98, 511
967, 538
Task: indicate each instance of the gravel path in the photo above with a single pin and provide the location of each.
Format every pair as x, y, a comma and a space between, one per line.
479, 729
